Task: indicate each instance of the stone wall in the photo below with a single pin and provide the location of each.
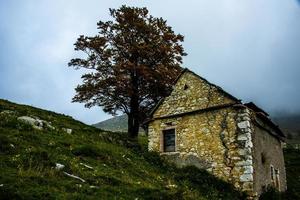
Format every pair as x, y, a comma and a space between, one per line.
244, 140
267, 152
219, 141
215, 132
191, 93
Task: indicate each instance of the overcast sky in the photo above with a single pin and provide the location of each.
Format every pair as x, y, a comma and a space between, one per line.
250, 48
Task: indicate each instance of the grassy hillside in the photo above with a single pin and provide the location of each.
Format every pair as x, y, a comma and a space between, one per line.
109, 165
292, 165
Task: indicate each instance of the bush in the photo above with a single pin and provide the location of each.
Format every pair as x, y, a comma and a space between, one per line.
153, 158
4, 144
86, 150
270, 193
9, 192
149, 194
37, 158
11, 121
207, 184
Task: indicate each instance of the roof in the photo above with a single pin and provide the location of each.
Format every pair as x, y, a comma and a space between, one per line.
260, 112
254, 107
265, 117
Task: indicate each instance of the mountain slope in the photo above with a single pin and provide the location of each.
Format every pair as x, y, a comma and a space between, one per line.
290, 124
115, 124
57, 157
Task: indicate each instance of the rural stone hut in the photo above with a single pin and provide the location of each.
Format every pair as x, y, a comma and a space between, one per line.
200, 124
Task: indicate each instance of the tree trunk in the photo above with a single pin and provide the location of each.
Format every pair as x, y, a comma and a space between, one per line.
133, 121
133, 117
130, 124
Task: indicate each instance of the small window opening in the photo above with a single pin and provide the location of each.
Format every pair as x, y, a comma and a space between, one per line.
263, 158
272, 173
277, 179
169, 140
185, 87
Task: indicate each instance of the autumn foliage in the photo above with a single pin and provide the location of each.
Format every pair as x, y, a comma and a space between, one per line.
132, 62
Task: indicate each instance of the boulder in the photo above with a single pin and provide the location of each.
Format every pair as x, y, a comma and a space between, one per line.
67, 130
35, 123
8, 112
59, 166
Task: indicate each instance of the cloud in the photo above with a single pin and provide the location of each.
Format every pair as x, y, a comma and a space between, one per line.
250, 48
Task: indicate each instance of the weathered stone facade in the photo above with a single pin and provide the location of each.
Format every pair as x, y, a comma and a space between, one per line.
267, 152
213, 130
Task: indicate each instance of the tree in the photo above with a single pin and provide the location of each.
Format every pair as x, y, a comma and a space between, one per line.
133, 61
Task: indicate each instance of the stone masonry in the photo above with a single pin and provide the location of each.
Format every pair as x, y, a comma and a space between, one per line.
213, 130
245, 145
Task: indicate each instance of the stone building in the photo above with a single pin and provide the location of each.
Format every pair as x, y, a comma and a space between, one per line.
200, 124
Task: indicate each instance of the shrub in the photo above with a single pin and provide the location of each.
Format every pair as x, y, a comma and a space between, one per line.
4, 144
86, 150
9, 192
270, 193
154, 158
37, 158
207, 184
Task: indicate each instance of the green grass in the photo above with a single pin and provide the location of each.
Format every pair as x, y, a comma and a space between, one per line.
292, 165
121, 168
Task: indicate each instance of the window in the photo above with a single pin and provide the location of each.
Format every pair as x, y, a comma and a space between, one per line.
277, 179
185, 87
169, 140
263, 158
272, 174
